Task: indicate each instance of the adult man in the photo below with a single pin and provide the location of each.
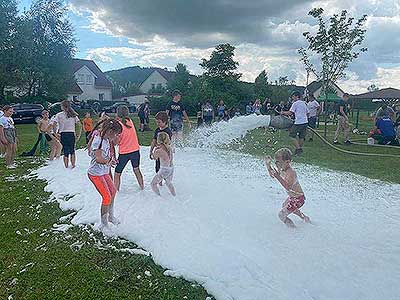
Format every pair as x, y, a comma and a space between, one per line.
299, 129
388, 134
343, 120
385, 111
176, 112
314, 110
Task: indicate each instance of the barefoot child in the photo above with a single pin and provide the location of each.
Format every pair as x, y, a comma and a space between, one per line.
99, 170
8, 135
164, 152
288, 179
162, 126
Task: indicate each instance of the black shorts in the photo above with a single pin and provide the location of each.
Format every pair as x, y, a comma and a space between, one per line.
208, 120
68, 143
158, 165
298, 130
312, 122
87, 134
123, 159
48, 137
142, 119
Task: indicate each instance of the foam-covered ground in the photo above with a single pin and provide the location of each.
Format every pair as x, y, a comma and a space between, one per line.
222, 229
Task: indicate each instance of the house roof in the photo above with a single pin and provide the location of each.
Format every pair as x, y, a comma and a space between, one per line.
76, 89
100, 80
316, 85
386, 94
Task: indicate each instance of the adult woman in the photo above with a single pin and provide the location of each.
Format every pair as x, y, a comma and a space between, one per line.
67, 120
8, 136
128, 148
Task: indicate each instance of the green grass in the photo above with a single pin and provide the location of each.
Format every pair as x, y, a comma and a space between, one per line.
53, 269
59, 272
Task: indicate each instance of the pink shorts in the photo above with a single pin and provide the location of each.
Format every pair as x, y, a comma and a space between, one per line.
293, 203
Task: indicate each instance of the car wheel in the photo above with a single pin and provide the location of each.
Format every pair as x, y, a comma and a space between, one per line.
96, 106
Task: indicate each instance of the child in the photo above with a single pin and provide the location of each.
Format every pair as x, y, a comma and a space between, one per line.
87, 126
45, 129
8, 136
162, 126
164, 153
99, 170
288, 179
129, 149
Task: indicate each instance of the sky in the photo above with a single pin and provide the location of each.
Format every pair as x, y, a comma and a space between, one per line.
266, 34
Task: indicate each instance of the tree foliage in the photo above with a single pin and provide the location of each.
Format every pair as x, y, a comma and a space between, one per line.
45, 37
181, 80
262, 87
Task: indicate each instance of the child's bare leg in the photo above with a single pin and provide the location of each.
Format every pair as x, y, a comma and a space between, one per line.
139, 177
283, 215
154, 184
170, 187
104, 213
301, 215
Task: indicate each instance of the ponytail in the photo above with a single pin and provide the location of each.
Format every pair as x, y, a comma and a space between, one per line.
123, 115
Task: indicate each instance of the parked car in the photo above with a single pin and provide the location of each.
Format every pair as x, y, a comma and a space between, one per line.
27, 113
113, 108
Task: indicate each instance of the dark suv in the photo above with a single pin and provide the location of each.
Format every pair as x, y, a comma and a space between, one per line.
27, 113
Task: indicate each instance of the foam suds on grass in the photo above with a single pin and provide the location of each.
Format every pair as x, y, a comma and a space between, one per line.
222, 229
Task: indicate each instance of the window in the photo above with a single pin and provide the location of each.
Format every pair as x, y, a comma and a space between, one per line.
80, 79
89, 79
101, 97
153, 86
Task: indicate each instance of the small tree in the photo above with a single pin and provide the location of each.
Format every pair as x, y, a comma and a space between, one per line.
261, 86
372, 88
335, 45
181, 80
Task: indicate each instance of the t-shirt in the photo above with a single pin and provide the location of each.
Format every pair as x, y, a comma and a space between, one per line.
87, 124
95, 168
208, 110
158, 130
300, 110
128, 141
386, 126
176, 110
344, 105
7, 122
1, 113
66, 124
313, 108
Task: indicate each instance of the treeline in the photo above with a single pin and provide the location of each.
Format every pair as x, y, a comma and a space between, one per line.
221, 81
36, 50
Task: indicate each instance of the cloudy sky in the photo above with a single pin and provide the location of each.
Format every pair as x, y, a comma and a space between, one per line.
266, 34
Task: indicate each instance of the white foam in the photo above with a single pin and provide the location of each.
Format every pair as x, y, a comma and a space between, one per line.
222, 229
221, 133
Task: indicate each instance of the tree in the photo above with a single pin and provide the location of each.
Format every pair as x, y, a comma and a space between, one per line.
181, 80
9, 58
262, 88
335, 45
49, 47
220, 79
372, 88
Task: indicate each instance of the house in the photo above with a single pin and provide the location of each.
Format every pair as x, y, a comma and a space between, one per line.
315, 88
91, 83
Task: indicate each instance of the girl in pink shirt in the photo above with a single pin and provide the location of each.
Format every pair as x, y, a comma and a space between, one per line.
128, 148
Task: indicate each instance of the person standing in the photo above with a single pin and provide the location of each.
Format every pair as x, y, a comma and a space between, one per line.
128, 148
257, 107
176, 112
8, 136
249, 108
67, 121
221, 110
87, 126
299, 130
208, 113
314, 109
343, 120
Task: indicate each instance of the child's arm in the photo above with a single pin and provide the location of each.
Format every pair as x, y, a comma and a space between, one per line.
271, 170
153, 144
100, 159
157, 154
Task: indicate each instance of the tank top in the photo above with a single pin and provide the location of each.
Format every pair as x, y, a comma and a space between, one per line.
128, 141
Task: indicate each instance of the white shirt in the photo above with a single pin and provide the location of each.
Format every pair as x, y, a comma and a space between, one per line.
1, 113
313, 108
6, 122
66, 124
95, 168
300, 110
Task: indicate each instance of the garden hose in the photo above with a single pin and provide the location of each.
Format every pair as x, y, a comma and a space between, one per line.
351, 152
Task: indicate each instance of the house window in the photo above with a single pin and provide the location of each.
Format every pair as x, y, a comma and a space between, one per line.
89, 79
153, 86
101, 97
80, 78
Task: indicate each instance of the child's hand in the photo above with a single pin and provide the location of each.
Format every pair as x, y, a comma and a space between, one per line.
268, 160
113, 162
151, 156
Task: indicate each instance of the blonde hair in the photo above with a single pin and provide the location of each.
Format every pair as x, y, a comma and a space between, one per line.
66, 107
164, 140
284, 154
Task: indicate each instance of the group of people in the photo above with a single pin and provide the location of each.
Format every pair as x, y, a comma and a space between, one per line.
387, 126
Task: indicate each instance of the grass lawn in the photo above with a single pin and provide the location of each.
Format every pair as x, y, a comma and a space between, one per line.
38, 263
